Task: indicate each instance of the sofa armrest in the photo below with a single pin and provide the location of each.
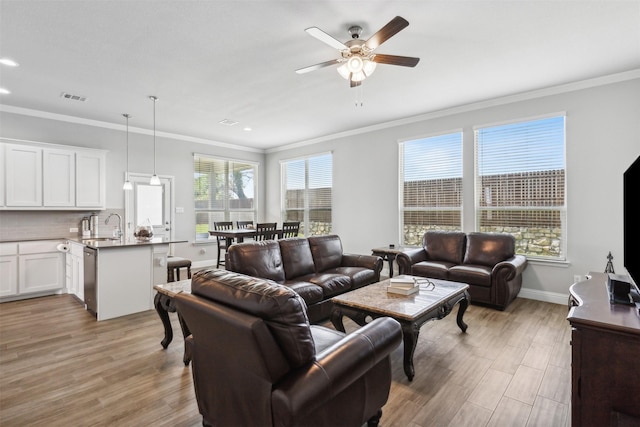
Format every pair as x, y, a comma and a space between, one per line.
371, 262
336, 368
511, 268
407, 258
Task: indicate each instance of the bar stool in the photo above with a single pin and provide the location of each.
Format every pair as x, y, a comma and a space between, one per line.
175, 263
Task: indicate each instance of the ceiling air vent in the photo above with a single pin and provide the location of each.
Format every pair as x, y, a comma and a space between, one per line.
71, 97
228, 122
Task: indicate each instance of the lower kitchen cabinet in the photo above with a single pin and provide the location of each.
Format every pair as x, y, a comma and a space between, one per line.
31, 268
75, 270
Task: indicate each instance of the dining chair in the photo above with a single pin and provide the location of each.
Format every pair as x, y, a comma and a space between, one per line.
266, 230
244, 224
223, 242
290, 229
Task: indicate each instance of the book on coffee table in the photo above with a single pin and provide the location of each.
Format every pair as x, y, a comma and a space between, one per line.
403, 290
403, 280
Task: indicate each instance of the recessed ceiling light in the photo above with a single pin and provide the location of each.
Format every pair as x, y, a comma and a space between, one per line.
8, 62
247, 129
4, 91
228, 122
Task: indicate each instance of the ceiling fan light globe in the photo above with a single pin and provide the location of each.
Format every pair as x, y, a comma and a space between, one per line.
355, 64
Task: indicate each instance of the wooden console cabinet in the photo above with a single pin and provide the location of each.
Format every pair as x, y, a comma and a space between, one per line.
605, 357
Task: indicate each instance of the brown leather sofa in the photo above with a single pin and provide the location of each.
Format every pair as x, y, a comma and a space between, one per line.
314, 267
257, 361
486, 261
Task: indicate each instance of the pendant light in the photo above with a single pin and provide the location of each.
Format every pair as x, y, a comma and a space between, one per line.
127, 184
155, 180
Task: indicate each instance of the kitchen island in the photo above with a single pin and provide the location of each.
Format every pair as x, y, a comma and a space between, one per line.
124, 274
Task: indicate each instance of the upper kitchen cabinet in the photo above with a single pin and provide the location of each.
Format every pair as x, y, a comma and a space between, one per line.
24, 175
59, 178
90, 179
53, 177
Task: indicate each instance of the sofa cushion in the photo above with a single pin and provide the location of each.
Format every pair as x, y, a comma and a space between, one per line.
479, 275
281, 308
489, 248
359, 276
331, 284
432, 269
257, 259
444, 245
310, 292
296, 257
327, 252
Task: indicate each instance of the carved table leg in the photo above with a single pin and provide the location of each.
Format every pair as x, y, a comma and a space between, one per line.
161, 305
410, 333
336, 319
185, 333
464, 303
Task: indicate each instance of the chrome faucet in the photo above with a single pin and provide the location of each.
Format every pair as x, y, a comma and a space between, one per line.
119, 231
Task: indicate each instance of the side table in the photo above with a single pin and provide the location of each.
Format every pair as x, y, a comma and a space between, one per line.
388, 253
165, 304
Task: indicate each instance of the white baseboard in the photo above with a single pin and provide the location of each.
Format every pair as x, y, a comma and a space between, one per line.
552, 297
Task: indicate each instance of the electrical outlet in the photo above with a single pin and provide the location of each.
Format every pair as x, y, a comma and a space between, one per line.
577, 278
73, 230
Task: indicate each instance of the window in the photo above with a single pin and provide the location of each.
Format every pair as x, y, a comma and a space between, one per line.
431, 170
224, 190
306, 193
520, 184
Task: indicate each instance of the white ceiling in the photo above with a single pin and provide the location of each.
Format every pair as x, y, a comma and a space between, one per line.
212, 60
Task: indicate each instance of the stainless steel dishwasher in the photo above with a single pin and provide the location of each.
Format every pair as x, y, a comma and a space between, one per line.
90, 279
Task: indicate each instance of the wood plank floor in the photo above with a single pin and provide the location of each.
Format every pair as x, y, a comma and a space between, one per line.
59, 367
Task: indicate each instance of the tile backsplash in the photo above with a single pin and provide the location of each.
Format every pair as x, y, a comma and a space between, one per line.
28, 225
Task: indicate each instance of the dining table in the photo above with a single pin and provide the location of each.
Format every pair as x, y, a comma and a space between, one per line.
239, 234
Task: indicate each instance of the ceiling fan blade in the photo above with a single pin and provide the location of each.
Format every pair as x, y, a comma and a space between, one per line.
385, 33
326, 38
405, 61
317, 66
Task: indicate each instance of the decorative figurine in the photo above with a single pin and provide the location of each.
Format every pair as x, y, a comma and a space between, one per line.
609, 267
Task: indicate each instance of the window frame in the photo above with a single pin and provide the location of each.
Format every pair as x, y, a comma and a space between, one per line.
403, 231
305, 221
562, 209
227, 211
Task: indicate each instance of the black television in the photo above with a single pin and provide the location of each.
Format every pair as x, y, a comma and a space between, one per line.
631, 185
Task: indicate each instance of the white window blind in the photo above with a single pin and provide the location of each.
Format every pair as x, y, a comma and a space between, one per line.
520, 184
306, 193
224, 190
431, 170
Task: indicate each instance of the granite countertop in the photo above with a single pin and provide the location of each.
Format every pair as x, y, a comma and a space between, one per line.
102, 242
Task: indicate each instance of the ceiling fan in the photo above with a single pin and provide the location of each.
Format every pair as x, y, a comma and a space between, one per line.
358, 59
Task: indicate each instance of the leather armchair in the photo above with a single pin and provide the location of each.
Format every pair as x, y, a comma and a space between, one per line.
256, 360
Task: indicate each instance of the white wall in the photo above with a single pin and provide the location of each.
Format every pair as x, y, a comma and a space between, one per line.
603, 138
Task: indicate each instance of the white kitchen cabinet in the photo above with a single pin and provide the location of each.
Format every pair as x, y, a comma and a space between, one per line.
54, 177
40, 267
75, 270
8, 269
23, 175
59, 177
90, 179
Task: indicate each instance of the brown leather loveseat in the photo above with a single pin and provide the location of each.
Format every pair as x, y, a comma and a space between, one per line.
314, 267
257, 361
486, 261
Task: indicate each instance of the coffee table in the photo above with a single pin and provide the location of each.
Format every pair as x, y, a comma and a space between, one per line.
412, 311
